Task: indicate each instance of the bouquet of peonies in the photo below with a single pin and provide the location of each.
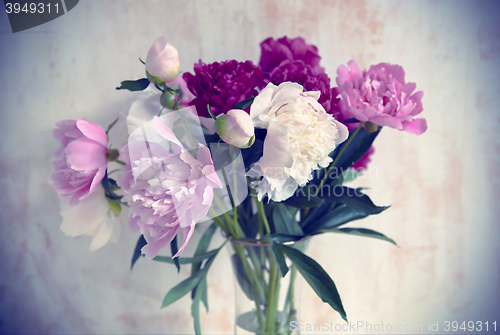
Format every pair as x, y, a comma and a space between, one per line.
260, 152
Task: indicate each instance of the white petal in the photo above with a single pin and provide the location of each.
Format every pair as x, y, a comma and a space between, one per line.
262, 104
86, 216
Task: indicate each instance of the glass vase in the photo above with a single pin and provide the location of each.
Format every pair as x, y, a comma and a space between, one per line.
266, 302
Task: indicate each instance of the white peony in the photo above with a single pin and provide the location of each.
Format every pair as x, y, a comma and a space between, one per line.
300, 136
92, 216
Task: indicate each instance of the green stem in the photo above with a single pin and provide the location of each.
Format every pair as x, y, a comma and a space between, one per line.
271, 297
262, 213
120, 162
290, 299
340, 154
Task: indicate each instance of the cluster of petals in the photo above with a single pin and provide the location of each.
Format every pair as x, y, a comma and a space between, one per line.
222, 85
381, 96
273, 52
81, 159
300, 136
166, 191
298, 72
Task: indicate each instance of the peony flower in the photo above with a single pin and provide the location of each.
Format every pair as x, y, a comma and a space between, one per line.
298, 72
300, 137
81, 159
93, 217
222, 85
363, 162
166, 191
273, 52
235, 128
162, 62
381, 96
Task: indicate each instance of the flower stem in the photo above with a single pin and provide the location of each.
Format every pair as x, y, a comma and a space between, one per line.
271, 297
340, 154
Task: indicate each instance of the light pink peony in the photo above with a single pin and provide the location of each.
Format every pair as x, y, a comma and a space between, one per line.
381, 96
235, 128
81, 159
166, 191
162, 62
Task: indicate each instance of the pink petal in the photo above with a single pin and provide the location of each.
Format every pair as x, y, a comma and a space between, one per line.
152, 249
86, 155
387, 120
96, 181
188, 232
417, 126
166, 132
92, 131
357, 114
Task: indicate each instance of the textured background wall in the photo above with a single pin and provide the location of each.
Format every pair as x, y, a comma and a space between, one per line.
443, 186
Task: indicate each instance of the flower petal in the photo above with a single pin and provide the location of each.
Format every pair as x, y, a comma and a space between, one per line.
92, 131
417, 126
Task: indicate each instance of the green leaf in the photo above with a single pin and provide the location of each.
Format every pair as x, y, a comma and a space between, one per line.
304, 198
282, 238
350, 174
174, 249
204, 292
134, 85
243, 280
203, 245
137, 251
317, 278
363, 232
358, 147
355, 199
187, 285
115, 207
284, 221
244, 104
186, 260
195, 306
339, 216
181, 289
280, 258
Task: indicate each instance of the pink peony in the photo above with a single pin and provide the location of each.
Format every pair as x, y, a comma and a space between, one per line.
166, 191
81, 159
381, 96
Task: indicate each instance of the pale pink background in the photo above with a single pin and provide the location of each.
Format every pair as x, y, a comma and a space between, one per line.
443, 186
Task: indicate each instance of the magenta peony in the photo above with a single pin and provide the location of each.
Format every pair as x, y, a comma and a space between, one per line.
381, 96
81, 159
298, 72
166, 191
273, 52
222, 85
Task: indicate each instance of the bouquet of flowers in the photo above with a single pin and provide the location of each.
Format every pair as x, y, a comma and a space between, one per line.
259, 151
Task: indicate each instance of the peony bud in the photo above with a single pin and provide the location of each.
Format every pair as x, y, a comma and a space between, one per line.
168, 100
370, 127
162, 62
235, 128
